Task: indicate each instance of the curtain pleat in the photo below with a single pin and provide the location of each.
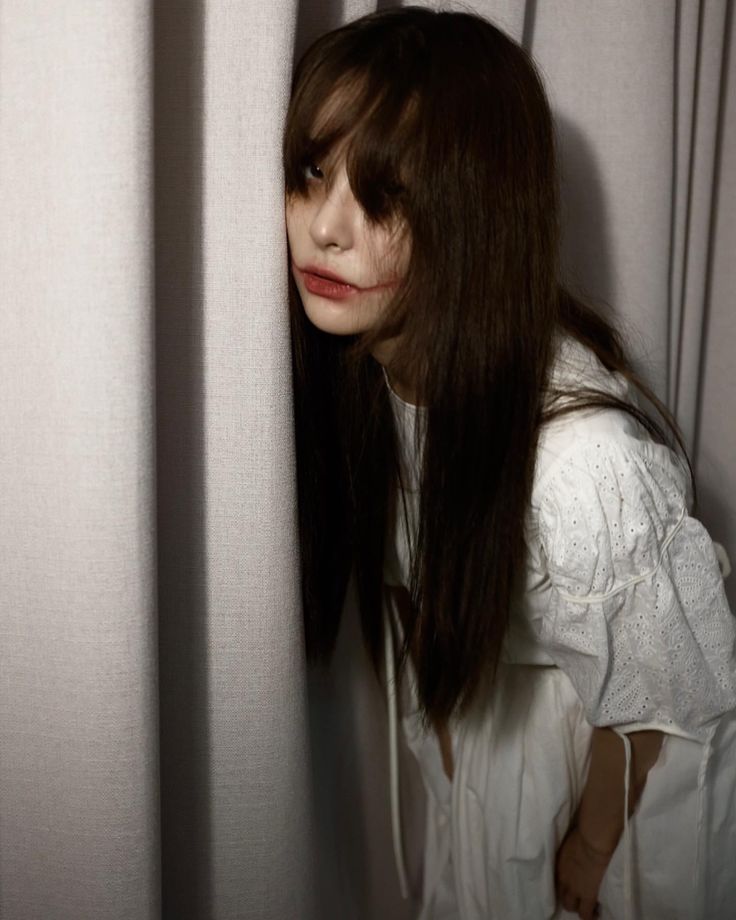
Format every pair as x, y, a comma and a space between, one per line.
79, 748
699, 77
715, 434
164, 751
235, 797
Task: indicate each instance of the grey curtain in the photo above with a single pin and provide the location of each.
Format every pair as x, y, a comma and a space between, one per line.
163, 750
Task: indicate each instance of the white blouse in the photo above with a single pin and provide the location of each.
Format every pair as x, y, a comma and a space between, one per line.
624, 615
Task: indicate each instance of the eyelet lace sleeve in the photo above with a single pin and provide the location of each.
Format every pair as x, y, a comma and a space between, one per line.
638, 617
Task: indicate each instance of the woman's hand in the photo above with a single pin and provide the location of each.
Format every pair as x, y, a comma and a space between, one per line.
579, 870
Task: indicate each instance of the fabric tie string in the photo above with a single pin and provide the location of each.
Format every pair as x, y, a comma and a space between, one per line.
628, 843
700, 887
394, 756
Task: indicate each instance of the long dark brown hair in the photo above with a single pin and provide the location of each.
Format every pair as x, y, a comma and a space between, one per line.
448, 133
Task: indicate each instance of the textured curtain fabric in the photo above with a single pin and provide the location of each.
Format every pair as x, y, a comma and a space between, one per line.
163, 750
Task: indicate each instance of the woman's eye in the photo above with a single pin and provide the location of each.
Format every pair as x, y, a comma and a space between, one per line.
311, 168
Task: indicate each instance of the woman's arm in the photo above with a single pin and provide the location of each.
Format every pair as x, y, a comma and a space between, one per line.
600, 817
595, 831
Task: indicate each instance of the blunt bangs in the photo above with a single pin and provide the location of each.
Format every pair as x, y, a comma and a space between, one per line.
342, 104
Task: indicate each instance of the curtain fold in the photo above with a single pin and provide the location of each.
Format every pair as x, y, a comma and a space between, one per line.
79, 750
235, 796
715, 424
163, 750
700, 82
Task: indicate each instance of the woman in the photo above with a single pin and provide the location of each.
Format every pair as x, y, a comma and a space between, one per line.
470, 441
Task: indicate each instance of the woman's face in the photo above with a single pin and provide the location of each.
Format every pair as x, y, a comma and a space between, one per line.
329, 234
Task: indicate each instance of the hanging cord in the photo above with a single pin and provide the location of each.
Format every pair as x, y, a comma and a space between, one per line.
628, 853
700, 887
394, 757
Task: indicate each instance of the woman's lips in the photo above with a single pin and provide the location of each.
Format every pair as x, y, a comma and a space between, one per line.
328, 287
324, 287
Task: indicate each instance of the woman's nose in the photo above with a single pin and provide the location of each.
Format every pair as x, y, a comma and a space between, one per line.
334, 221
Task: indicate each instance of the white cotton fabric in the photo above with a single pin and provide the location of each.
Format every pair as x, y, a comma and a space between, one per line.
623, 623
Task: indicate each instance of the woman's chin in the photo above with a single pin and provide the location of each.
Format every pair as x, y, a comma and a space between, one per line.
336, 318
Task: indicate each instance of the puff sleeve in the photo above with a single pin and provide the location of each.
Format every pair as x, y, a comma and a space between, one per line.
637, 615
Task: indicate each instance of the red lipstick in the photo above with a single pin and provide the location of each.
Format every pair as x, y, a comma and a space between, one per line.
325, 283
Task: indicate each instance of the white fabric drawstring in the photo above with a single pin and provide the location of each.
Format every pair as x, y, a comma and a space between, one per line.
699, 830
394, 756
699, 843
628, 852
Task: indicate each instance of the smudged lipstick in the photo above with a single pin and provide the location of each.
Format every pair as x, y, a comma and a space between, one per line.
325, 283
